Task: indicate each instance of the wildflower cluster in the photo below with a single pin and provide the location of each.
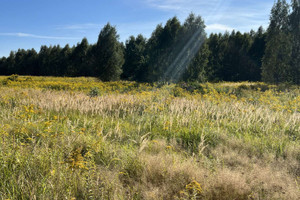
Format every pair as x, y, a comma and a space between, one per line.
81, 138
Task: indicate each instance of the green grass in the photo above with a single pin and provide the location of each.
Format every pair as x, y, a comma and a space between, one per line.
64, 138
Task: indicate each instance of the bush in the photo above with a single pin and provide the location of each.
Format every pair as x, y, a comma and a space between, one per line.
13, 77
94, 92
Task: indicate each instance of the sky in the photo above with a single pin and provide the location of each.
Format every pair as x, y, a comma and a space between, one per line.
29, 24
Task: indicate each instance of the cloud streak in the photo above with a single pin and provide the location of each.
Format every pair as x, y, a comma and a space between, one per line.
183, 7
28, 35
220, 15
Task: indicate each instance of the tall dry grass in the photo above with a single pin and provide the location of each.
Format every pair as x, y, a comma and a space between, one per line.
225, 141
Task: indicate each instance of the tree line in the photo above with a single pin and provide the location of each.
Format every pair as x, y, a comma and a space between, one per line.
176, 52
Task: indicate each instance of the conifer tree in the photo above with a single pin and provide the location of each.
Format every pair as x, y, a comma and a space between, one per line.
256, 53
192, 38
295, 32
161, 49
135, 58
199, 70
276, 61
109, 55
79, 58
3, 66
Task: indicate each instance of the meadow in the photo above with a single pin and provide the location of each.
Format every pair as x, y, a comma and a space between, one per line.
79, 138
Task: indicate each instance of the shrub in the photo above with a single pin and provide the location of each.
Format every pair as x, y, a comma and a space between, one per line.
13, 77
94, 92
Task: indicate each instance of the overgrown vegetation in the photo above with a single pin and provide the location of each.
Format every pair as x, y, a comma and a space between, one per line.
78, 138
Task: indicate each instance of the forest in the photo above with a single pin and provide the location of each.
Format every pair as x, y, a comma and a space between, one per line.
176, 52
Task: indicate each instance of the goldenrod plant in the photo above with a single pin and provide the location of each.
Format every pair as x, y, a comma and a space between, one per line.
139, 141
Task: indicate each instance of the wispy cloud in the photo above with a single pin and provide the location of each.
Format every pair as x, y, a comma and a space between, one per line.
37, 36
183, 7
220, 15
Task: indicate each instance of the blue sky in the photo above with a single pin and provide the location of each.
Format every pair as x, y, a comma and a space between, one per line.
31, 23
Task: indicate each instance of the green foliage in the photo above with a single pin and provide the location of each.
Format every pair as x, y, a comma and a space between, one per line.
236, 56
79, 57
295, 32
173, 47
94, 92
135, 58
276, 61
108, 55
175, 141
13, 77
198, 69
256, 52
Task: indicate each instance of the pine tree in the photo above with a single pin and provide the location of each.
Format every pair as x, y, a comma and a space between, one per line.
43, 61
3, 66
153, 52
135, 58
256, 53
192, 38
199, 70
276, 61
295, 32
162, 50
54, 61
79, 58
109, 55
65, 61
31, 59
217, 44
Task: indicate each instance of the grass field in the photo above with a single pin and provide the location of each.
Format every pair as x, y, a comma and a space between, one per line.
78, 138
